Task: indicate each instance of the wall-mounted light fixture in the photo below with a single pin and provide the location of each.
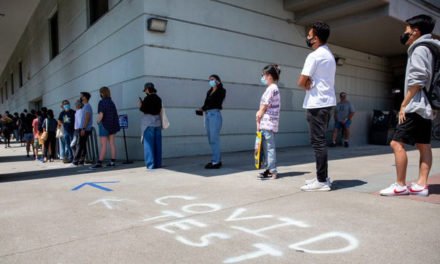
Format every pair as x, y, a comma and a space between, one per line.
339, 61
157, 24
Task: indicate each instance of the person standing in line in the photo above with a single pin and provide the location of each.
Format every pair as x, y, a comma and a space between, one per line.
268, 117
85, 130
344, 113
416, 114
317, 79
108, 122
26, 129
35, 129
66, 119
7, 127
151, 125
213, 118
50, 126
79, 121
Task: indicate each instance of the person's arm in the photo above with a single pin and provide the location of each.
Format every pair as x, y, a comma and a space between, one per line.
260, 112
87, 117
99, 118
304, 82
420, 62
412, 91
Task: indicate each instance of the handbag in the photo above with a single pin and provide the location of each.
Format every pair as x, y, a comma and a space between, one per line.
45, 134
60, 132
258, 153
164, 119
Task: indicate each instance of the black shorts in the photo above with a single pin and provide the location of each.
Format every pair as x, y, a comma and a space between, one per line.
415, 130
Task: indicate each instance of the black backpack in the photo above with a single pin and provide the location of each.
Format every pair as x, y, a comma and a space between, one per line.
433, 91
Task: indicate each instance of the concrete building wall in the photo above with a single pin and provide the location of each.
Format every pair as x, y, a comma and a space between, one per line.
234, 39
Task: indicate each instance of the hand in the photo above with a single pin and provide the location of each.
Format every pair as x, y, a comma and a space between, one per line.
139, 104
83, 132
402, 116
258, 116
308, 84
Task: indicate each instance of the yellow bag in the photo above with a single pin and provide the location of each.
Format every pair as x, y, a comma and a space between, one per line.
258, 154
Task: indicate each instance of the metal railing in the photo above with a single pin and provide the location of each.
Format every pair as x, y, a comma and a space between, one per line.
92, 154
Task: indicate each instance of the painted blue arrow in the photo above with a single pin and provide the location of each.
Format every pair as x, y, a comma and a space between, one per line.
94, 184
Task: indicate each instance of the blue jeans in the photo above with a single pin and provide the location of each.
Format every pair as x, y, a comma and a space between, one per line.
270, 156
62, 147
68, 152
213, 123
153, 147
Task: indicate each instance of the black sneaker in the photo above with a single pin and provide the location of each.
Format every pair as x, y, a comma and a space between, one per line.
110, 164
346, 144
332, 145
96, 166
264, 175
213, 166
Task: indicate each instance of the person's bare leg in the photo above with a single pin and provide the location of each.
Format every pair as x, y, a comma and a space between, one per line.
112, 146
103, 148
425, 163
401, 160
335, 135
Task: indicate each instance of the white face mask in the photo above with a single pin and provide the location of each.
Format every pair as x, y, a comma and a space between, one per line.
263, 80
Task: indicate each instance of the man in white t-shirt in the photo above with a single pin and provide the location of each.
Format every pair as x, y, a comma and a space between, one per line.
317, 79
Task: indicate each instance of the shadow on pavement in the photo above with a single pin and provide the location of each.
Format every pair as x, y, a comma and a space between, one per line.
344, 184
60, 172
434, 189
235, 162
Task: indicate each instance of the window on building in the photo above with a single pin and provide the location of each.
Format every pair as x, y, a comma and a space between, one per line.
6, 90
12, 83
97, 8
20, 74
54, 43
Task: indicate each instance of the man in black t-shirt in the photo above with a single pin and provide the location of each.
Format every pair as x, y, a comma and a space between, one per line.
66, 119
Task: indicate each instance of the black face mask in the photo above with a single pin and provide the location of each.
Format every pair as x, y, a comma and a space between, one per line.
404, 38
309, 43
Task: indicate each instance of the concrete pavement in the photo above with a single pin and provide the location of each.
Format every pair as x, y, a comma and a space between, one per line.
182, 213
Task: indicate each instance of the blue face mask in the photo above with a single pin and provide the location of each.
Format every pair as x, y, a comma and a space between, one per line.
212, 83
263, 80
66, 107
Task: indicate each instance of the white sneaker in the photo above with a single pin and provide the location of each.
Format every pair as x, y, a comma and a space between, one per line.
394, 190
316, 186
416, 189
310, 181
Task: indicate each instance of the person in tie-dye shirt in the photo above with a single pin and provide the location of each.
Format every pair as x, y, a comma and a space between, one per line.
268, 118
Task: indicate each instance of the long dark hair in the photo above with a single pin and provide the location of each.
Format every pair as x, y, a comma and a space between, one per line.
219, 81
273, 70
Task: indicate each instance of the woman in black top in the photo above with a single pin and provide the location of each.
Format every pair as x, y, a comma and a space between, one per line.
213, 118
151, 125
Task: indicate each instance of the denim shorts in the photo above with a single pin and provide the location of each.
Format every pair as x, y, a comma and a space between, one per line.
340, 125
28, 137
102, 131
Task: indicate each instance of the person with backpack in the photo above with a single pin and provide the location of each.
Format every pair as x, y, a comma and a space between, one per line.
416, 113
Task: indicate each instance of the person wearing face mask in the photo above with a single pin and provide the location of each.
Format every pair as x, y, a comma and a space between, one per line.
151, 125
268, 117
85, 130
213, 118
108, 124
415, 115
66, 119
317, 79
